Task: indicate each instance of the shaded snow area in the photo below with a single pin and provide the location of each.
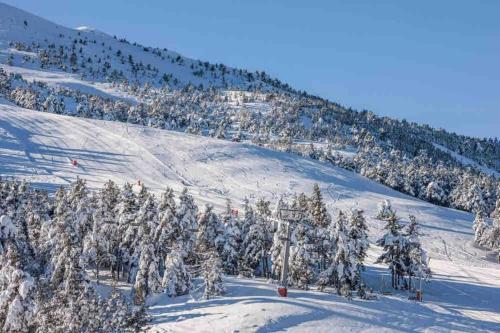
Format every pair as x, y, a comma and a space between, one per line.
252, 305
462, 296
467, 161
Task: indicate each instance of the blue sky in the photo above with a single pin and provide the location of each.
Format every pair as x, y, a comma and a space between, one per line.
435, 62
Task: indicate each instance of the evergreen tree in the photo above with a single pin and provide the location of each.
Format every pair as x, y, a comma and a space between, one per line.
394, 245
358, 234
385, 211
212, 276
418, 262
17, 305
330, 275
125, 210
255, 247
176, 280
148, 278
479, 227
228, 244
280, 233
186, 215
492, 237
141, 235
321, 218
208, 229
168, 229
301, 259
346, 259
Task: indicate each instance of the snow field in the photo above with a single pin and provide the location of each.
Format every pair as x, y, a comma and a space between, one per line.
463, 295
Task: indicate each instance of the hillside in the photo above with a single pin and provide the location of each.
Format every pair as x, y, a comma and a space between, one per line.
87, 73
39, 147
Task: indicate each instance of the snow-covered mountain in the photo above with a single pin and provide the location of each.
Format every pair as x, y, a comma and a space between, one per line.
114, 110
133, 61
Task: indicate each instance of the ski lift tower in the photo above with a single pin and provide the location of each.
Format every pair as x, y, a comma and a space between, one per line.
288, 217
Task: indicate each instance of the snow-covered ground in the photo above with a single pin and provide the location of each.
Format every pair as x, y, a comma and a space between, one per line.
252, 305
463, 296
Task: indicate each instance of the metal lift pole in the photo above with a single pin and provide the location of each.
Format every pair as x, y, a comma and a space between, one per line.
286, 255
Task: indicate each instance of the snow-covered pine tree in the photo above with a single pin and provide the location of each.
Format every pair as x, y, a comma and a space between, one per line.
126, 211
79, 201
262, 208
168, 230
142, 195
479, 227
435, 193
147, 279
417, 261
7, 232
18, 210
212, 275
118, 312
101, 244
321, 217
320, 220
492, 237
65, 248
329, 276
301, 259
176, 279
248, 218
358, 233
37, 216
394, 245
17, 304
186, 216
278, 236
96, 247
140, 236
228, 244
255, 246
209, 228
346, 259
385, 211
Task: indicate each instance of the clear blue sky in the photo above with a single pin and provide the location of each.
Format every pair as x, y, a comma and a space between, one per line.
435, 62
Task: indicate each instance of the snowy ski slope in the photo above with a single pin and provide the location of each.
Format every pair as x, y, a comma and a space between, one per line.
463, 295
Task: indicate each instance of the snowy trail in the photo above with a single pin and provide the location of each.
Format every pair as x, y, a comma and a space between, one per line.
465, 290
